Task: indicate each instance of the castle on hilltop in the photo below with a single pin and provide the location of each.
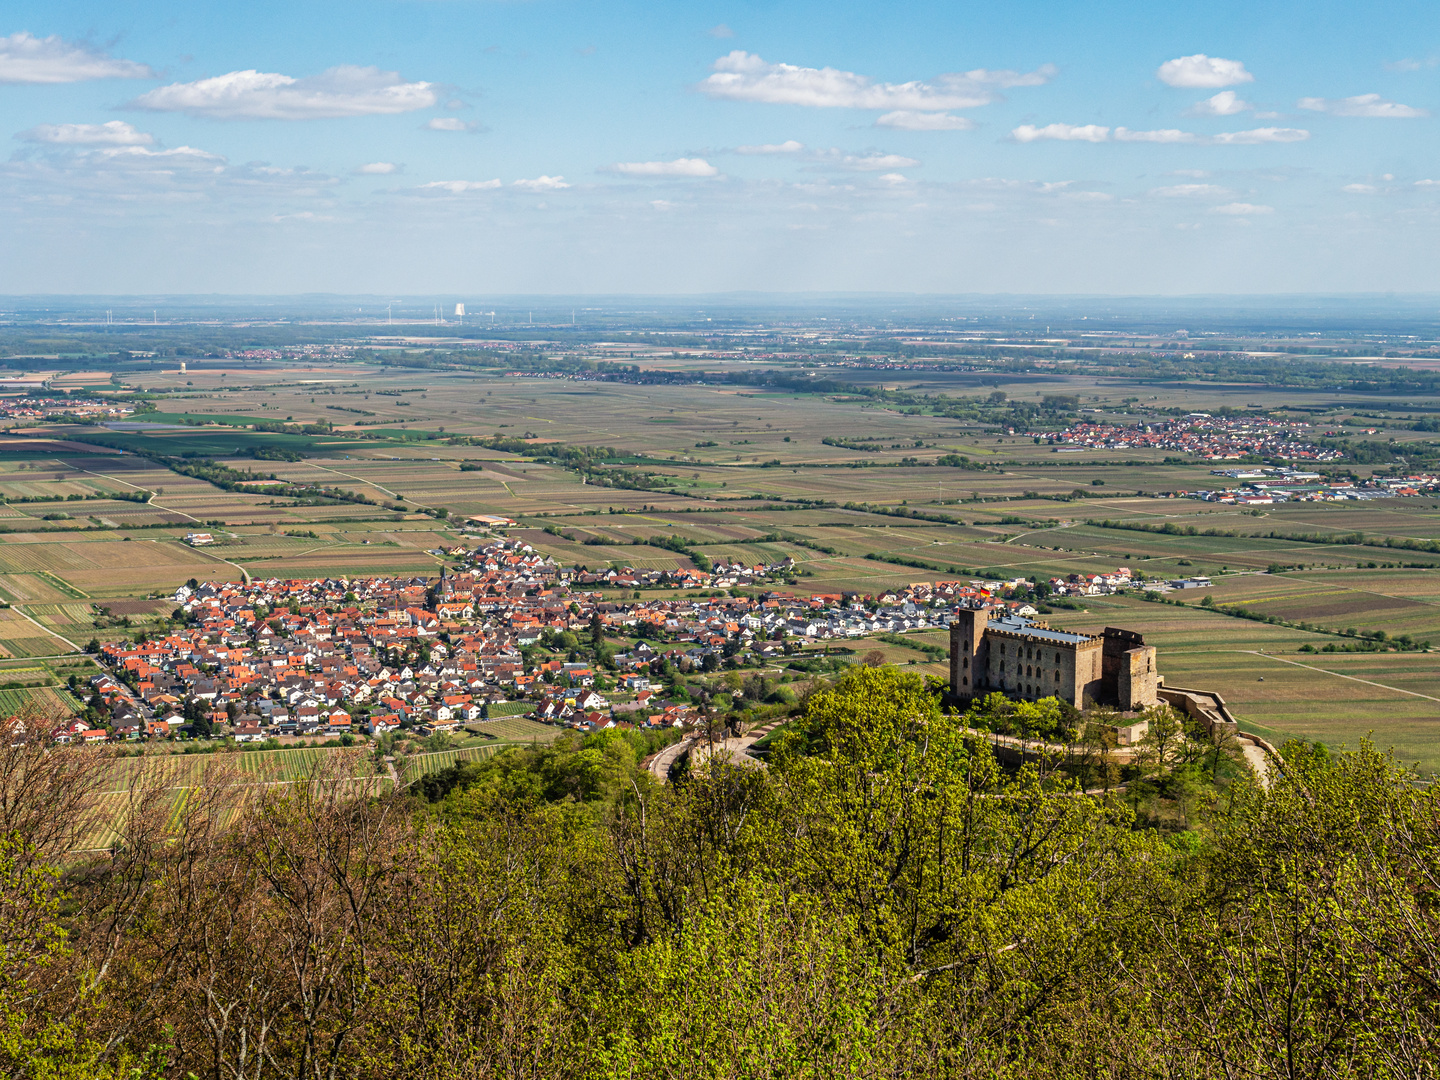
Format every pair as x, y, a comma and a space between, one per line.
1024, 658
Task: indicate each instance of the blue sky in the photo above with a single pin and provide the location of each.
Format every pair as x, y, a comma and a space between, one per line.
478, 147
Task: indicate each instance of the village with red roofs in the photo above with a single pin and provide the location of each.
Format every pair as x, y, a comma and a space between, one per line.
320, 658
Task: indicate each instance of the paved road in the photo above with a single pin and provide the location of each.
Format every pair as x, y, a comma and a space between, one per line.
736, 750
660, 764
699, 749
1257, 760
243, 572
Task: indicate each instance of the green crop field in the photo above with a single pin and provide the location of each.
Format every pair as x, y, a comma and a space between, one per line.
175, 776
48, 701
217, 441
510, 708
185, 770
417, 765
518, 730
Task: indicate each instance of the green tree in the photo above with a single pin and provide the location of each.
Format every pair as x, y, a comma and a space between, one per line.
1163, 741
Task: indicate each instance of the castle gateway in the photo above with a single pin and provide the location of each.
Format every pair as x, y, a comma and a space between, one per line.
1023, 658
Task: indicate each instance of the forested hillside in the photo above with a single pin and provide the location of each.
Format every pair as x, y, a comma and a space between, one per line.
883, 899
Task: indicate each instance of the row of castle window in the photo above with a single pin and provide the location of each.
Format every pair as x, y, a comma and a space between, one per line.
1029, 671
1029, 654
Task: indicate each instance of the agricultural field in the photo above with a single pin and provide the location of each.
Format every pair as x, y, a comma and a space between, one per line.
50, 701
1278, 692
262, 766
516, 729
510, 708
735, 472
417, 765
177, 775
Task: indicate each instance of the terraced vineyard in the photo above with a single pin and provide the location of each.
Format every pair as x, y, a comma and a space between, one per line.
178, 775
185, 770
416, 766
33, 645
519, 730
511, 708
48, 700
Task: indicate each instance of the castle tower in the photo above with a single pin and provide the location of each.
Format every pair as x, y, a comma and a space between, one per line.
1130, 677
969, 652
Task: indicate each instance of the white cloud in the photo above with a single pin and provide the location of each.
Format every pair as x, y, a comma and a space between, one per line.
1225, 103
303, 215
379, 168
110, 133
1371, 106
1201, 72
1256, 136
1191, 191
1096, 133
459, 187
449, 123
258, 95
162, 186
874, 162
681, 166
1242, 209
1360, 189
1165, 135
1064, 132
1412, 64
835, 158
1427, 183
789, 146
144, 157
894, 178
678, 167
721, 31
909, 120
24, 58
742, 76
542, 183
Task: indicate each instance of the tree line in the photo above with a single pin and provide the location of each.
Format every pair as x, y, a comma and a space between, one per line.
884, 899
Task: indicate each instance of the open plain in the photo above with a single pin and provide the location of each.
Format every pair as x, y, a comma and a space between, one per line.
869, 481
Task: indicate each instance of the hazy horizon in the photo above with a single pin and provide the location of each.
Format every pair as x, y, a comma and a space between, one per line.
471, 147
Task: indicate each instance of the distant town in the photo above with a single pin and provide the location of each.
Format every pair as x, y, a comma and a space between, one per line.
323, 658
1210, 437
1265, 487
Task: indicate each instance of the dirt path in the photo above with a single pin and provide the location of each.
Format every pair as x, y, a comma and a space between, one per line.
19, 611
149, 502
243, 572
